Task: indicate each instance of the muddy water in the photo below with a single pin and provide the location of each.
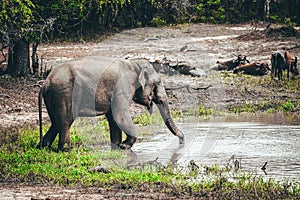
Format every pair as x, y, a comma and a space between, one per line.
251, 139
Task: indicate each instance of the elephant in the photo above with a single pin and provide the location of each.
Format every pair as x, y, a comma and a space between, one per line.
96, 86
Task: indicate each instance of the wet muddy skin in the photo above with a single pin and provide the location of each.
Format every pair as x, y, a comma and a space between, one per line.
253, 140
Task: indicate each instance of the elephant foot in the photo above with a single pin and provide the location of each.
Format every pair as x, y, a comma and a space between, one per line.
67, 149
45, 144
64, 147
115, 146
125, 146
39, 146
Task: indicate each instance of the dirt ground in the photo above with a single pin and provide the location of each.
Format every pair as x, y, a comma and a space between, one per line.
39, 192
199, 44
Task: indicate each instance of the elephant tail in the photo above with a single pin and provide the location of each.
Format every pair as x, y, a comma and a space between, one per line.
40, 116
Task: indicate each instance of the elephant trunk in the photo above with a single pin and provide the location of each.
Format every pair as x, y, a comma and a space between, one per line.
166, 115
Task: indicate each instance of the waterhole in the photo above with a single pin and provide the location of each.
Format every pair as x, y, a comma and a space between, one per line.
252, 140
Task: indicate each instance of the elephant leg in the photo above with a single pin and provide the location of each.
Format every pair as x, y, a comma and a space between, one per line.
126, 142
115, 131
64, 137
64, 121
50, 136
121, 115
127, 126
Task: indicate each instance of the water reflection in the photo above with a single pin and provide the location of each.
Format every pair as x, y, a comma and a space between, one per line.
252, 139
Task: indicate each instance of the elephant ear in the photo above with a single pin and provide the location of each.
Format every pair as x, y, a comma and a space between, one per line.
142, 79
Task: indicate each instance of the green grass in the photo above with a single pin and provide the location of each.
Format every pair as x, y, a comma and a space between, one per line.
275, 93
145, 119
282, 106
200, 111
21, 161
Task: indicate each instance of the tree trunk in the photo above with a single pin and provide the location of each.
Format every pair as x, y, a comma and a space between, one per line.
298, 11
18, 58
35, 59
267, 10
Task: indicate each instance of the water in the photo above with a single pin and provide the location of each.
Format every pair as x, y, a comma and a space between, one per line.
251, 139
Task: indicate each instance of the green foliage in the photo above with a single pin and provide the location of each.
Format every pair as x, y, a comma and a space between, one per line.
36, 19
203, 110
211, 11
158, 22
16, 14
288, 106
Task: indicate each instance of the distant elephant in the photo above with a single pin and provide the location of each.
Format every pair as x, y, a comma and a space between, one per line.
102, 86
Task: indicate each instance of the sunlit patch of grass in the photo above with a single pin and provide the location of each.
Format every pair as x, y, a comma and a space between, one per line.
90, 131
247, 107
293, 85
203, 110
145, 119
251, 107
177, 114
267, 106
200, 111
